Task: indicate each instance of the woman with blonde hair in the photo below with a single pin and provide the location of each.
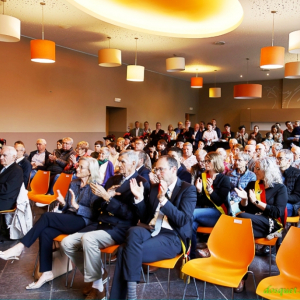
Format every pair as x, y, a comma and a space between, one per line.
212, 198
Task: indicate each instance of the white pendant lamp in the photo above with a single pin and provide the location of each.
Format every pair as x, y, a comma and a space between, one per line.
175, 64
247, 90
42, 51
196, 82
292, 69
272, 57
135, 72
109, 57
10, 28
294, 42
215, 92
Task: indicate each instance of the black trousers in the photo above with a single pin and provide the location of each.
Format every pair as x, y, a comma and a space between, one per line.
141, 247
260, 224
49, 226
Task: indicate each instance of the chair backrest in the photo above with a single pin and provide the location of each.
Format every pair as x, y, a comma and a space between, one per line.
288, 256
232, 240
40, 182
62, 184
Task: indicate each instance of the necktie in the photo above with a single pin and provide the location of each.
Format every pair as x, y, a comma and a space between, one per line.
159, 219
2, 170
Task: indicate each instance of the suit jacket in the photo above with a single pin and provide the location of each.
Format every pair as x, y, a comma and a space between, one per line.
117, 216
144, 172
196, 139
140, 132
32, 153
11, 181
179, 209
184, 174
26, 167
155, 137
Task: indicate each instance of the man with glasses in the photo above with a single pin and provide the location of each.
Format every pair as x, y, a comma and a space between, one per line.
117, 212
260, 150
163, 227
291, 179
198, 168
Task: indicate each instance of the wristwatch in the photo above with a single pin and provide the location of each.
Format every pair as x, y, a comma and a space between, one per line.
256, 202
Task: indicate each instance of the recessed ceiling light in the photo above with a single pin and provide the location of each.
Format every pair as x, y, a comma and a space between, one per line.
219, 43
241, 75
268, 74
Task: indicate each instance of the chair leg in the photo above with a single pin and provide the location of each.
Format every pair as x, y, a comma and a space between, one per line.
270, 259
196, 287
74, 272
36, 261
169, 270
204, 288
253, 281
184, 291
232, 293
67, 272
143, 274
148, 274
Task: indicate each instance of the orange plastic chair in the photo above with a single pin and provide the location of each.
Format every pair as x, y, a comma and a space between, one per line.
231, 254
270, 244
164, 264
286, 285
204, 229
39, 184
293, 220
62, 184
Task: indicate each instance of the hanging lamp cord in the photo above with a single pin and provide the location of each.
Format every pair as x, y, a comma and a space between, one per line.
135, 61
43, 33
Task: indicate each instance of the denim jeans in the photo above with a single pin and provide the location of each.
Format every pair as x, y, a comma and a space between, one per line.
204, 217
290, 209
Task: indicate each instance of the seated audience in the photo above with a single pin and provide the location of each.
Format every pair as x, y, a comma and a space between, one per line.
139, 145
212, 195
156, 134
227, 134
171, 133
252, 142
195, 137
198, 168
269, 138
201, 145
296, 130
242, 136
296, 152
182, 173
260, 150
127, 140
11, 178
230, 151
250, 150
170, 222
109, 139
141, 168
59, 144
277, 135
136, 131
256, 135
188, 159
210, 135
201, 129
223, 153
114, 155
264, 202
116, 212
178, 129
39, 157
237, 148
98, 145
120, 144
23, 162
186, 133
106, 168
287, 135
275, 148
156, 153
267, 146
179, 142
147, 129
279, 127
291, 177
76, 214
240, 176
215, 128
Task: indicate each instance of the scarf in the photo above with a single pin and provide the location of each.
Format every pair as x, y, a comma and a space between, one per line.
102, 162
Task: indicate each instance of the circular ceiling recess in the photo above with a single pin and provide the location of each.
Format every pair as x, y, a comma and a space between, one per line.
176, 18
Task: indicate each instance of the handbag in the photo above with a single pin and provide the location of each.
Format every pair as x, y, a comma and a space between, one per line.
59, 264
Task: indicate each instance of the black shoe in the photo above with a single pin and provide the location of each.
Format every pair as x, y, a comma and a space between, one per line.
241, 287
263, 251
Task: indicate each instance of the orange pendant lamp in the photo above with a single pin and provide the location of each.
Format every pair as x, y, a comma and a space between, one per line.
196, 82
135, 72
42, 51
272, 57
109, 57
247, 90
215, 92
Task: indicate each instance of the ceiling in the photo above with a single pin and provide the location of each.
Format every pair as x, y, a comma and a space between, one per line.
72, 28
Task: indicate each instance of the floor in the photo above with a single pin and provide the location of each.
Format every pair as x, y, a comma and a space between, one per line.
15, 275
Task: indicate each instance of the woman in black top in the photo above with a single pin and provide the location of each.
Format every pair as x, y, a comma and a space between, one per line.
212, 195
256, 135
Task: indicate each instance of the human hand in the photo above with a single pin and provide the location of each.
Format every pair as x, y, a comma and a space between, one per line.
73, 159
241, 193
137, 190
198, 185
60, 198
252, 196
162, 189
52, 157
112, 191
153, 178
33, 164
98, 190
73, 200
209, 183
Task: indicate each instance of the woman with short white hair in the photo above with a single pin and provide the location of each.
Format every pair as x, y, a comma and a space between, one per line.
296, 151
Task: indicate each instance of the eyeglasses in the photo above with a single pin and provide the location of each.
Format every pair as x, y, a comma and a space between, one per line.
280, 158
79, 149
201, 161
257, 168
238, 160
160, 170
207, 161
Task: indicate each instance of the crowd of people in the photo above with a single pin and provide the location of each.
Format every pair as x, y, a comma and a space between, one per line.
149, 191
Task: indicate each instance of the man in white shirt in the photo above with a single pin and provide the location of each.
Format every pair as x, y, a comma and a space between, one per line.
188, 158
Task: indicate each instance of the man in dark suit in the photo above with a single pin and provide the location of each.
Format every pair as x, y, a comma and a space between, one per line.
182, 172
196, 134
156, 134
11, 178
165, 223
136, 131
140, 168
117, 211
23, 162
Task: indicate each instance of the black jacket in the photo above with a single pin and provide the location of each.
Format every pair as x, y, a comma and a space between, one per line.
144, 172
11, 180
183, 174
179, 209
32, 153
26, 167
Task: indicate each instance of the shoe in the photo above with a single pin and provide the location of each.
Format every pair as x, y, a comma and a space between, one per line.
241, 287
151, 269
277, 234
203, 253
40, 204
12, 253
96, 294
112, 259
263, 251
37, 284
87, 288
